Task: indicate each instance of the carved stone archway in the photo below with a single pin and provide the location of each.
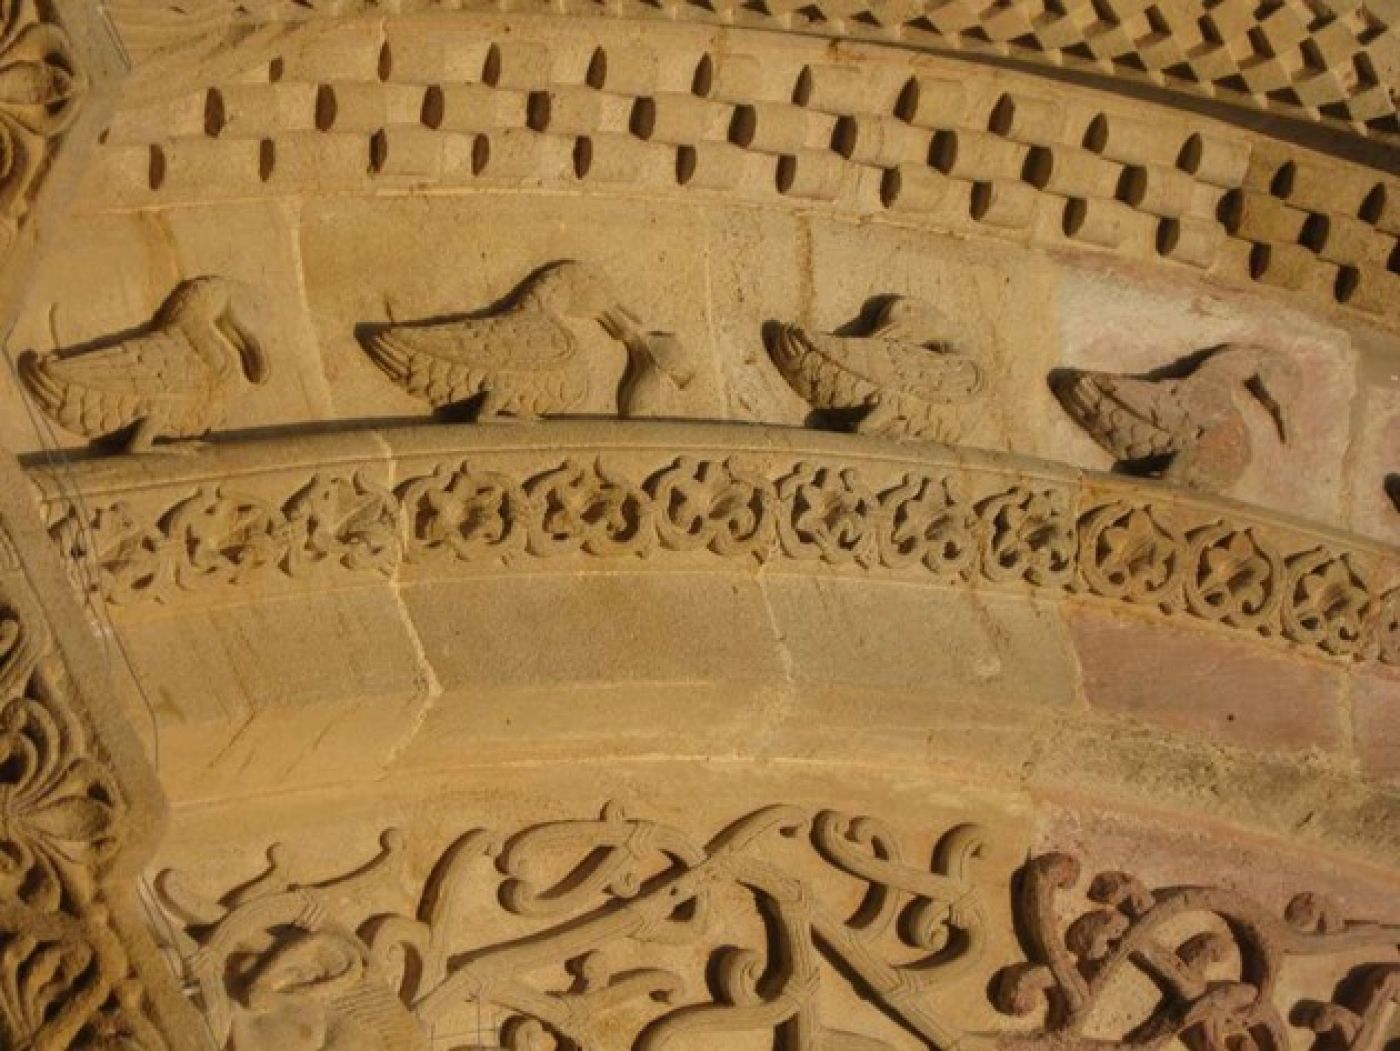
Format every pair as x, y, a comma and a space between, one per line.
610, 526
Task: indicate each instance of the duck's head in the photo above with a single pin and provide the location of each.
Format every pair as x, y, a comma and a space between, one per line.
316, 965
572, 289
205, 304
1271, 378
660, 352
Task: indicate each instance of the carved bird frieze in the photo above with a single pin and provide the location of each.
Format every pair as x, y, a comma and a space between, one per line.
173, 379
907, 376
1191, 430
529, 360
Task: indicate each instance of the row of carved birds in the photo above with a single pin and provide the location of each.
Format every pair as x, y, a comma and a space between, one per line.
905, 375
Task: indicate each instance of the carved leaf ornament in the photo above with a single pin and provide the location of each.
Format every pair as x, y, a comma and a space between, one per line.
40, 86
64, 978
927, 523
638, 935
595, 890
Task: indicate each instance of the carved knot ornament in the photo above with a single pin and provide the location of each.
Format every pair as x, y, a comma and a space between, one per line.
629, 933
1221, 968
635, 934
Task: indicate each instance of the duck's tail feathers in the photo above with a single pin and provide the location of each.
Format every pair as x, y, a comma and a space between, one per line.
42, 385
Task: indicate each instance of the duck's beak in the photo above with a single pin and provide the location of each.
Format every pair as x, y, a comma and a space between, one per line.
1256, 387
250, 352
668, 355
662, 350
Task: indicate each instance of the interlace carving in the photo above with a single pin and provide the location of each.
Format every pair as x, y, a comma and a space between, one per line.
1217, 963
171, 381
65, 980
634, 934
947, 526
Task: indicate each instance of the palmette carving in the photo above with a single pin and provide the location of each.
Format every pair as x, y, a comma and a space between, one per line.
171, 381
64, 976
904, 378
948, 527
1195, 425
1216, 961
41, 88
592, 893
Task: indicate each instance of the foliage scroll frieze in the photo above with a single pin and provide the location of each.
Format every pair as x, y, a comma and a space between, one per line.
792, 927
948, 525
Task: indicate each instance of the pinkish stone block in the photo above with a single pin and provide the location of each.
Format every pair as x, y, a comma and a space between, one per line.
1375, 702
1238, 693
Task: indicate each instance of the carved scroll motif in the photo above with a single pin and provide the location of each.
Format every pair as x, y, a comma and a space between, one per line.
630, 933
638, 935
947, 526
1218, 962
65, 979
41, 88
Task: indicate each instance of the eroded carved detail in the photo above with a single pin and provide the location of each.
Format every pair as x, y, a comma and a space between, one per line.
171, 381
946, 526
530, 359
1216, 962
41, 88
1192, 429
728, 936
904, 378
620, 932
65, 980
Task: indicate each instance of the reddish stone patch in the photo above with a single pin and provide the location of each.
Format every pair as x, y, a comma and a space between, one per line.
1376, 717
1235, 692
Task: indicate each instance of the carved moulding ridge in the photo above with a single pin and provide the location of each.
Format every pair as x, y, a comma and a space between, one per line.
731, 114
1325, 61
625, 932
482, 499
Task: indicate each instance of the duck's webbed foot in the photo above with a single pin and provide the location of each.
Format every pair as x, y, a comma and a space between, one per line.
491, 409
144, 441
882, 420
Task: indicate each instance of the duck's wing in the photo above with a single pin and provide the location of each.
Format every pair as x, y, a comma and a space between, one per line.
1131, 418
935, 377
153, 365
510, 343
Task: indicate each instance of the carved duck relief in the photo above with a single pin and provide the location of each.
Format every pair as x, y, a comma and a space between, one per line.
172, 380
528, 360
1196, 423
906, 377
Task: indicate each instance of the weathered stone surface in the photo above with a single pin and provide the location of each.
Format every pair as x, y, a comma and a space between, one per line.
607, 538
1375, 706
1214, 688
